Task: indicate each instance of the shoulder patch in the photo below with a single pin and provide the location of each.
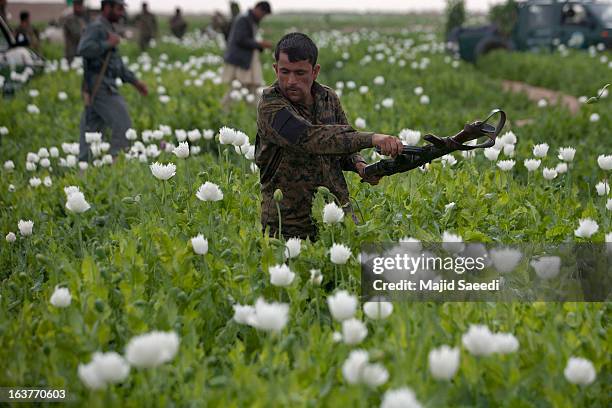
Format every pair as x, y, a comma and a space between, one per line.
288, 126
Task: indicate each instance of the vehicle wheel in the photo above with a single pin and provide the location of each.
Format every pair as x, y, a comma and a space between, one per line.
489, 44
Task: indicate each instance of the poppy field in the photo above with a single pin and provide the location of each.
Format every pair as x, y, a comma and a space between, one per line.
147, 280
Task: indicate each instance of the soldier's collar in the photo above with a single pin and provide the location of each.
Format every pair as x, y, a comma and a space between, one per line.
319, 93
318, 90
252, 16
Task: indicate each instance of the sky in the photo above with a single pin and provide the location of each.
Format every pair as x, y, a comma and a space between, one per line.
207, 6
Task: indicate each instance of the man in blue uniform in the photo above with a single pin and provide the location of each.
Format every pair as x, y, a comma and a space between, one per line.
102, 65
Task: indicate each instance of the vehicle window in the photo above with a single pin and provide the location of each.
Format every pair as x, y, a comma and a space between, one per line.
574, 14
540, 16
603, 12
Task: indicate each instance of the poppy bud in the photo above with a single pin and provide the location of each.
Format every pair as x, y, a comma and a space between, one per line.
278, 195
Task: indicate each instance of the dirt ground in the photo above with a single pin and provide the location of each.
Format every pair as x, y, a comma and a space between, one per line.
535, 93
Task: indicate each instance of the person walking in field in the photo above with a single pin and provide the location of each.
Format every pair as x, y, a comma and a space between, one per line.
102, 65
305, 141
146, 22
178, 25
73, 26
241, 57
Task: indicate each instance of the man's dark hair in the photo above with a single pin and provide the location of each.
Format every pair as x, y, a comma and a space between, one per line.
298, 47
24, 15
264, 6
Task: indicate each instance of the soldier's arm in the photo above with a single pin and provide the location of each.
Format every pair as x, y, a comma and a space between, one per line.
348, 161
94, 42
242, 38
285, 127
72, 28
127, 75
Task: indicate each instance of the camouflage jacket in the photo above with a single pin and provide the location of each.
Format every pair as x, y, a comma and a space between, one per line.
299, 148
178, 26
73, 26
93, 48
147, 25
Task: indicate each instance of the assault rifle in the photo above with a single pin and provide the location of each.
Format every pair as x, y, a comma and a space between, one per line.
413, 156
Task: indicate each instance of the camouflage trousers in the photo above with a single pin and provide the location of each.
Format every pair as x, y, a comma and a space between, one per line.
306, 229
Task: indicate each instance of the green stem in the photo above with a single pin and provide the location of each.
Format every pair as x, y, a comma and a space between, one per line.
605, 201
335, 275
508, 184
209, 216
359, 207
80, 235
317, 306
227, 169
189, 185
568, 183
280, 224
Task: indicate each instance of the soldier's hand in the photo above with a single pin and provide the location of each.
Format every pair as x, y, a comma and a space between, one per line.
389, 145
266, 44
141, 87
374, 180
113, 39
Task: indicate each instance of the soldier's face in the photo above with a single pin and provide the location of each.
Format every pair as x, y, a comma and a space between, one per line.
295, 78
117, 11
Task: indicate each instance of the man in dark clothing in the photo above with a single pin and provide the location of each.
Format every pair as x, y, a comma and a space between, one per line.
304, 141
147, 27
25, 34
178, 25
108, 108
242, 54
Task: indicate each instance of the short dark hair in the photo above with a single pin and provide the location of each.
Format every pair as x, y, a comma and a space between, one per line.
24, 15
264, 6
298, 47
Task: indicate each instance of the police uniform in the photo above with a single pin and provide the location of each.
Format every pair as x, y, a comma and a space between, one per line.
299, 148
109, 108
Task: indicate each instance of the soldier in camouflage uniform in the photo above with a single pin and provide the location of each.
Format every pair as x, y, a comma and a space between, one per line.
147, 27
178, 25
108, 107
73, 25
304, 141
